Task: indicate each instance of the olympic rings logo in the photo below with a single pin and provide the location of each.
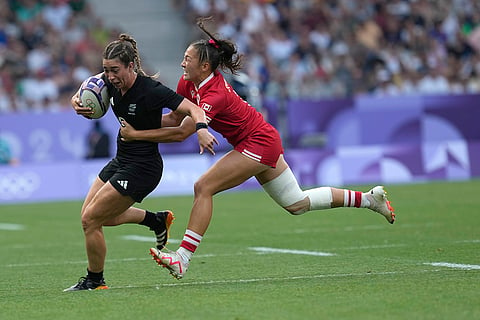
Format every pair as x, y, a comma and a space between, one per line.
18, 185
90, 103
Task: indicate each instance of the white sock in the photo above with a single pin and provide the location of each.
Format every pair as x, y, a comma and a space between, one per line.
355, 199
191, 241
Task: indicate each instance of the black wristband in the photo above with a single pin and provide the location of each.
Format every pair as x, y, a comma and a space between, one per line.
200, 125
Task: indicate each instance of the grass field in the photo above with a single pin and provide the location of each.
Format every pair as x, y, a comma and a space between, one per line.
256, 262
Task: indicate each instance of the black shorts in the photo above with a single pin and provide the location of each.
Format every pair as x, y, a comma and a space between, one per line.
133, 179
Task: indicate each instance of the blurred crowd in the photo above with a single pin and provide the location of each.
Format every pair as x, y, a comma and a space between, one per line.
292, 48
47, 48
345, 48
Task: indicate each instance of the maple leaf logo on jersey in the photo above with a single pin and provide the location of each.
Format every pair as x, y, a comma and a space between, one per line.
206, 106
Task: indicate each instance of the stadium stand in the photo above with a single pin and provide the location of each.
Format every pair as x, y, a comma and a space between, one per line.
48, 47
336, 49
294, 49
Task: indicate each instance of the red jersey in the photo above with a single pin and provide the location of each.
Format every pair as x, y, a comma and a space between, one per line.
227, 113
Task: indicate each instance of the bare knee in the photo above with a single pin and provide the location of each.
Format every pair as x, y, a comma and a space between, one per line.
198, 187
89, 223
201, 188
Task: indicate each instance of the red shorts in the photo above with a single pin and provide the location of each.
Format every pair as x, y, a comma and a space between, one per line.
264, 146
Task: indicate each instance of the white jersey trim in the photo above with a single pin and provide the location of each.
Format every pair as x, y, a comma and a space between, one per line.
205, 81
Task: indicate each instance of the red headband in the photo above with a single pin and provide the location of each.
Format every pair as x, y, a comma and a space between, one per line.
214, 43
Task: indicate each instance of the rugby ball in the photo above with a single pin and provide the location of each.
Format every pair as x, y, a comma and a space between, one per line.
94, 94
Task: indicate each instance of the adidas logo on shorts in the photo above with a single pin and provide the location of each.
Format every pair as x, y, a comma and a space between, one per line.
123, 183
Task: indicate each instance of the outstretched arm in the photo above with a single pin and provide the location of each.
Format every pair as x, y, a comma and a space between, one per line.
172, 119
177, 133
164, 134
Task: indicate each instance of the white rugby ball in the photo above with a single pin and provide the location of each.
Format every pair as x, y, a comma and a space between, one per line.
94, 94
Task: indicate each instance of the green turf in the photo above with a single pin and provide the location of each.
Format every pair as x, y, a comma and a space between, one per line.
378, 271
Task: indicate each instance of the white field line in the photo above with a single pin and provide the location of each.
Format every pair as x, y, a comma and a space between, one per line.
363, 227
274, 279
454, 265
303, 252
261, 250
11, 226
39, 264
258, 249
468, 241
380, 246
133, 237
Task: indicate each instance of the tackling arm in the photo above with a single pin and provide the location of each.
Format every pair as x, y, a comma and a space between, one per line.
163, 135
179, 133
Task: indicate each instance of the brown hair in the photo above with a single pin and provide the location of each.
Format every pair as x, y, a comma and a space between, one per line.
125, 50
218, 52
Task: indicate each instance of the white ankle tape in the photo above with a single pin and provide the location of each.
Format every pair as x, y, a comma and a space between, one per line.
284, 189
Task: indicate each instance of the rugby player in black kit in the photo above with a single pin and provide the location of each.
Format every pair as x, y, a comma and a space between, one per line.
137, 167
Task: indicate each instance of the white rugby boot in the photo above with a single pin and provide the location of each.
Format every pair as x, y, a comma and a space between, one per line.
379, 203
170, 260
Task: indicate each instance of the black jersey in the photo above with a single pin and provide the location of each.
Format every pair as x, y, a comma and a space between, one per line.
142, 107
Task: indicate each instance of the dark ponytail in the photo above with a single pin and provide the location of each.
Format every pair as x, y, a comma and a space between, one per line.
218, 52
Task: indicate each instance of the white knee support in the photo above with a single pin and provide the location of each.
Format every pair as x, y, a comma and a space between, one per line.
284, 189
